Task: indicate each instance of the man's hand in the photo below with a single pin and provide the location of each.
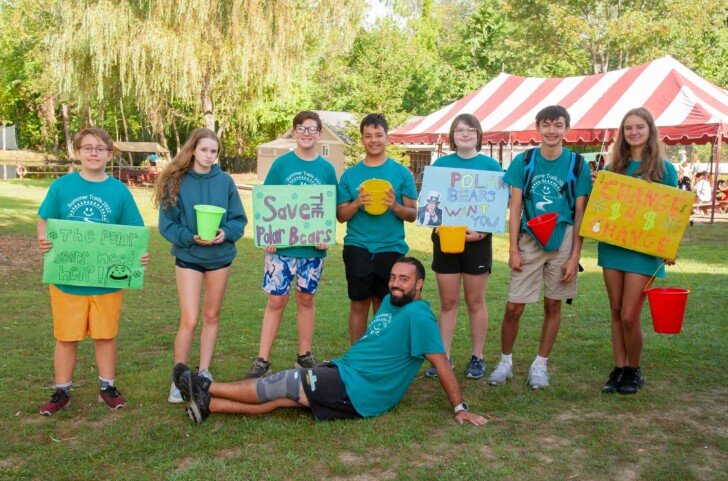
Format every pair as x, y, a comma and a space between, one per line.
472, 418
515, 261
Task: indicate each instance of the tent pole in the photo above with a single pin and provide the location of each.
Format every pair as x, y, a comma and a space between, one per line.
718, 141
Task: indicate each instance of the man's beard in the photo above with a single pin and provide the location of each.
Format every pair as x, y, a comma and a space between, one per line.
404, 299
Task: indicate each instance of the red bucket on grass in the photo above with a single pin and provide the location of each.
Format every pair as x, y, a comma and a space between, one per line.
667, 306
542, 226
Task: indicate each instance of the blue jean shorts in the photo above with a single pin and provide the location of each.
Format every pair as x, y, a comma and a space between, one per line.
280, 271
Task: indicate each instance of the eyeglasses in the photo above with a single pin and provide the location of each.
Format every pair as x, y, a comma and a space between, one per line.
311, 130
87, 149
469, 131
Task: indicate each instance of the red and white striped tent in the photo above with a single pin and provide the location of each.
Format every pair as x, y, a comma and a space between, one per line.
686, 107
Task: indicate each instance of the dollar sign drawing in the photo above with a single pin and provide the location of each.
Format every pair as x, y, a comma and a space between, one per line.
649, 220
615, 211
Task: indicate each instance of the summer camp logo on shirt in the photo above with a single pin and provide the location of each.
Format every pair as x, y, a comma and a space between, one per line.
89, 208
302, 178
379, 324
547, 187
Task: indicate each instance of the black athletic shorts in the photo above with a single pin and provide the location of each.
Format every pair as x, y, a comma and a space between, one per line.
196, 267
477, 258
368, 274
326, 393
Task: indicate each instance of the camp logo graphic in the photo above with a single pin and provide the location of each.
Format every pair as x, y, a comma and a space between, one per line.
546, 187
89, 208
379, 324
302, 178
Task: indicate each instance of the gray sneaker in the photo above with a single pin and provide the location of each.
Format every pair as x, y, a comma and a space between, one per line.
175, 397
432, 372
502, 372
260, 368
538, 378
307, 361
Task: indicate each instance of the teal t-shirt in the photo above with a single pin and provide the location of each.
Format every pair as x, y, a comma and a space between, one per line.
479, 162
548, 192
625, 260
380, 366
376, 233
290, 169
72, 197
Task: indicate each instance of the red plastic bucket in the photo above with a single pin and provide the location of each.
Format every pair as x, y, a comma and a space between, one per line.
667, 305
542, 226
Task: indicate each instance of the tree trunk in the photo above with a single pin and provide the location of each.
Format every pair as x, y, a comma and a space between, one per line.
67, 130
208, 106
123, 120
176, 137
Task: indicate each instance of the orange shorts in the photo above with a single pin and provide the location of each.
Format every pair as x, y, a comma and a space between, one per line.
76, 316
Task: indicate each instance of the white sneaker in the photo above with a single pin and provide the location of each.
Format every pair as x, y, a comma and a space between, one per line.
175, 397
502, 372
538, 377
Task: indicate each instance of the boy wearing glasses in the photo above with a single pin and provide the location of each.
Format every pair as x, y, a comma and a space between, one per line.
301, 166
89, 195
373, 243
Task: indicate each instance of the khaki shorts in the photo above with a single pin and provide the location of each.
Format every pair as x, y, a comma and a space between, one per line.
75, 316
541, 267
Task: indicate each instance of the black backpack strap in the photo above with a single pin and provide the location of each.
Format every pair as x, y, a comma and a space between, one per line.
529, 162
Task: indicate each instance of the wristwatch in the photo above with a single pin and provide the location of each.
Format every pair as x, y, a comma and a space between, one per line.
460, 407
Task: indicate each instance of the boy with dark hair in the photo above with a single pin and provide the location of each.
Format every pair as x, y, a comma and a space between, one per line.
373, 242
557, 262
89, 195
301, 166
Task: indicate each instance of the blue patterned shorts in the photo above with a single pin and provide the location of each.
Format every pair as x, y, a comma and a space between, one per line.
280, 270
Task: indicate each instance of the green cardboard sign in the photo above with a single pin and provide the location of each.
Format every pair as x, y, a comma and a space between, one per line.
95, 255
294, 215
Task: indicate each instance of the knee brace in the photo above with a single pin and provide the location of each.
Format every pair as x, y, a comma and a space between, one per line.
283, 384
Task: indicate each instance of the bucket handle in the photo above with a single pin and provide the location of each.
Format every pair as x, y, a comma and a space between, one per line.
649, 283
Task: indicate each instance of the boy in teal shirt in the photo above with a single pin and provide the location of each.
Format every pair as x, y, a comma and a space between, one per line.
556, 263
301, 166
373, 242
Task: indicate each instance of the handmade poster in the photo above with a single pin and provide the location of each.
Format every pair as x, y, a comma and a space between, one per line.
95, 255
638, 215
294, 215
477, 199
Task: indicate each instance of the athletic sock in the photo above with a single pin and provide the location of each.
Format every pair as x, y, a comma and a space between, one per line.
540, 360
104, 383
65, 387
507, 358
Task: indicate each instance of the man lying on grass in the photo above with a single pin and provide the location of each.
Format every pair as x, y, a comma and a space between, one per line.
369, 380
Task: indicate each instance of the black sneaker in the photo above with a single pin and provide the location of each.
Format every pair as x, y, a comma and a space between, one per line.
615, 380
632, 380
307, 361
195, 392
260, 368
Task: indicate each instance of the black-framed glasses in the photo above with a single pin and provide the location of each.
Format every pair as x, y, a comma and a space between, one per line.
87, 149
300, 129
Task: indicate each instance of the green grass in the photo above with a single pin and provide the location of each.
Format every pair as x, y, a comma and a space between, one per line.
675, 429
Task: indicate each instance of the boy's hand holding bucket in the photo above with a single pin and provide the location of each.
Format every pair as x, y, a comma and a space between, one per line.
376, 195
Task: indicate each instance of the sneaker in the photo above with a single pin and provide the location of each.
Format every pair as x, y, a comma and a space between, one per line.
174, 395
112, 398
205, 373
195, 392
260, 368
632, 380
307, 361
475, 368
502, 372
538, 377
615, 381
432, 372
59, 400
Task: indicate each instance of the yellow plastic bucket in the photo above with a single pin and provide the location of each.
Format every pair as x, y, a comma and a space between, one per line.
452, 238
377, 188
208, 220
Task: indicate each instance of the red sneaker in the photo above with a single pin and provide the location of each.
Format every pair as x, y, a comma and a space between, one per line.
58, 401
112, 398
